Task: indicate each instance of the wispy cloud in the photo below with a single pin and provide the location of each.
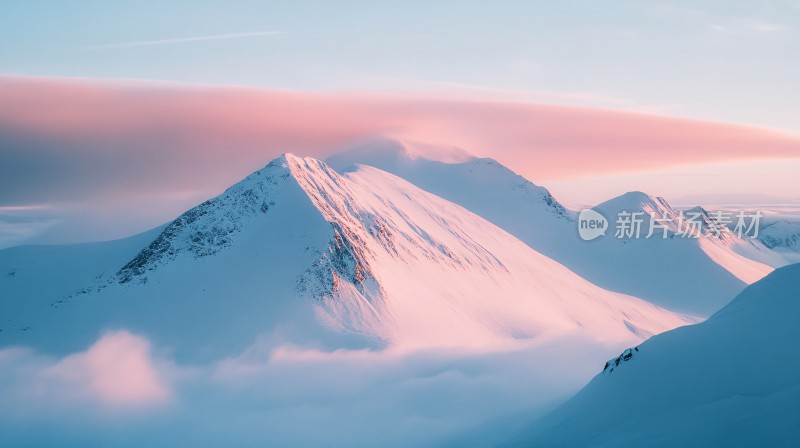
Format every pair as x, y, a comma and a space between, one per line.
719, 28
765, 27
741, 26
18, 224
181, 40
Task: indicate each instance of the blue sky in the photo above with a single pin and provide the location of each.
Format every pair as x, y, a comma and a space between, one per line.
721, 60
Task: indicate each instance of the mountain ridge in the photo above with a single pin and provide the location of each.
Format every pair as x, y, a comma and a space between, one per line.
533, 215
378, 256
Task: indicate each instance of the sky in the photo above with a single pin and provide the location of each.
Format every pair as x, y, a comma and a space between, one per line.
590, 99
720, 60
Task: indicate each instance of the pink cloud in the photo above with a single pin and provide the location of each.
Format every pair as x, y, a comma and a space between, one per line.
117, 370
68, 140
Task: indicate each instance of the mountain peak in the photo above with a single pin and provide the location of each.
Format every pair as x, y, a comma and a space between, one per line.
482, 185
287, 160
635, 200
212, 226
286, 157
638, 201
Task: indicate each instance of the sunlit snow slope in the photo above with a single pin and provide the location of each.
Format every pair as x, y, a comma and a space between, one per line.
696, 276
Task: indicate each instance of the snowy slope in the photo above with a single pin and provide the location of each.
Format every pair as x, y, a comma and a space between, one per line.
359, 259
481, 185
656, 270
733, 380
435, 262
32, 278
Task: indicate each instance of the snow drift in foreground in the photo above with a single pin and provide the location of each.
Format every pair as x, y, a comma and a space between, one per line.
696, 276
733, 380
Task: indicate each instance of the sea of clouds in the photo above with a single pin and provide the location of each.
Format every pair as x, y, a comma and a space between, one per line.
123, 391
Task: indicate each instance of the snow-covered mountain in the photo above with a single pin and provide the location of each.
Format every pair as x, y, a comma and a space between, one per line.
659, 270
733, 380
360, 258
782, 235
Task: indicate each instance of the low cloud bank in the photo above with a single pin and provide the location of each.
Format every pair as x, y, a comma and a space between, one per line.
122, 391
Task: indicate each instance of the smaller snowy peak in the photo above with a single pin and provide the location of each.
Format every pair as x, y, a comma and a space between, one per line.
694, 222
478, 184
710, 224
636, 201
653, 213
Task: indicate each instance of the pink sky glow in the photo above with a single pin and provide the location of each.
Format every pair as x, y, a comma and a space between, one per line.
82, 141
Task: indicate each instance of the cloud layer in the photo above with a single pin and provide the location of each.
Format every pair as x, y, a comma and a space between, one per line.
68, 140
154, 148
116, 372
120, 392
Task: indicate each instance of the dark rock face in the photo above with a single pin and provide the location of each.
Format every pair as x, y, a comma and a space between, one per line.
775, 235
162, 246
625, 356
209, 227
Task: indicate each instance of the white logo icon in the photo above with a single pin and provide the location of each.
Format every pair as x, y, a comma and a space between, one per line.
591, 224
